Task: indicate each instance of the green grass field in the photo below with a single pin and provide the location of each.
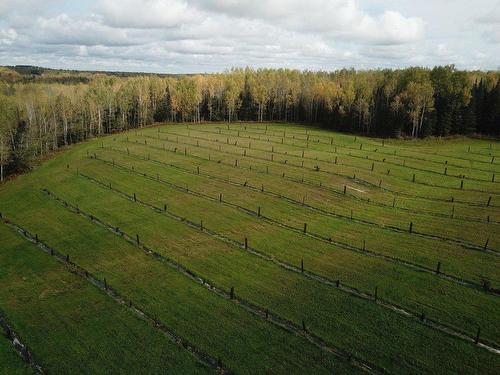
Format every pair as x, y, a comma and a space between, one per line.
261, 248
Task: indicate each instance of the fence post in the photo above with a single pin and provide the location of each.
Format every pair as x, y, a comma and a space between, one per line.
137, 238
376, 293
489, 201
232, 292
258, 212
302, 265
438, 268
135, 198
411, 227
373, 166
305, 227
461, 184
486, 244
246, 243
477, 335
345, 187
393, 202
413, 177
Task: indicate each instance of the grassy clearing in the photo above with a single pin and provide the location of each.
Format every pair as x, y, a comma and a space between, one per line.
367, 330
71, 326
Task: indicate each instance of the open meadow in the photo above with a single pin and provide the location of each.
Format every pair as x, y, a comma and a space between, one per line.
254, 248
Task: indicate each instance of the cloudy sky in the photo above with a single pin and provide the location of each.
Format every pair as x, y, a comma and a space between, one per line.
179, 36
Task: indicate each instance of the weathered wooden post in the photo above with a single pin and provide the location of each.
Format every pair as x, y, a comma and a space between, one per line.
489, 201
137, 239
411, 227
486, 244
304, 326
376, 293
393, 202
373, 166
413, 177
345, 188
302, 265
232, 293
438, 268
135, 198
67, 258
258, 211
305, 227
246, 243
461, 184
337, 283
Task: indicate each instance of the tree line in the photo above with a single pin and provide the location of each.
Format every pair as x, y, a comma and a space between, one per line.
39, 114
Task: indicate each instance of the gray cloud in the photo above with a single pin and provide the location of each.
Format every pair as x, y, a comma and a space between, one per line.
213, 35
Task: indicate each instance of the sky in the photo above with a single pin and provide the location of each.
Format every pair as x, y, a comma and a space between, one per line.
197, 36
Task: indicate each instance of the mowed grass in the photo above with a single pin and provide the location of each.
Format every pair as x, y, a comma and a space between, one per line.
71, 326
247, 343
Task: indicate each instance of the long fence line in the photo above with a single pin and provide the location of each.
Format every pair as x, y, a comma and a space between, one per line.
328, 240
19, 346
335, 161
345, 193
382, 144
321, 211
344, 287
473, 247
352, 178
201, 356
231, 295
349, 155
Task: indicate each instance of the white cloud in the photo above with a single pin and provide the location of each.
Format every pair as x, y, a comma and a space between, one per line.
64, 29
7, 37
147, 13
333, 18
213, 35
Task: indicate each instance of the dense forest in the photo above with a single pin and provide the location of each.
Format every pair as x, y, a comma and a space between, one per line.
42, 110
